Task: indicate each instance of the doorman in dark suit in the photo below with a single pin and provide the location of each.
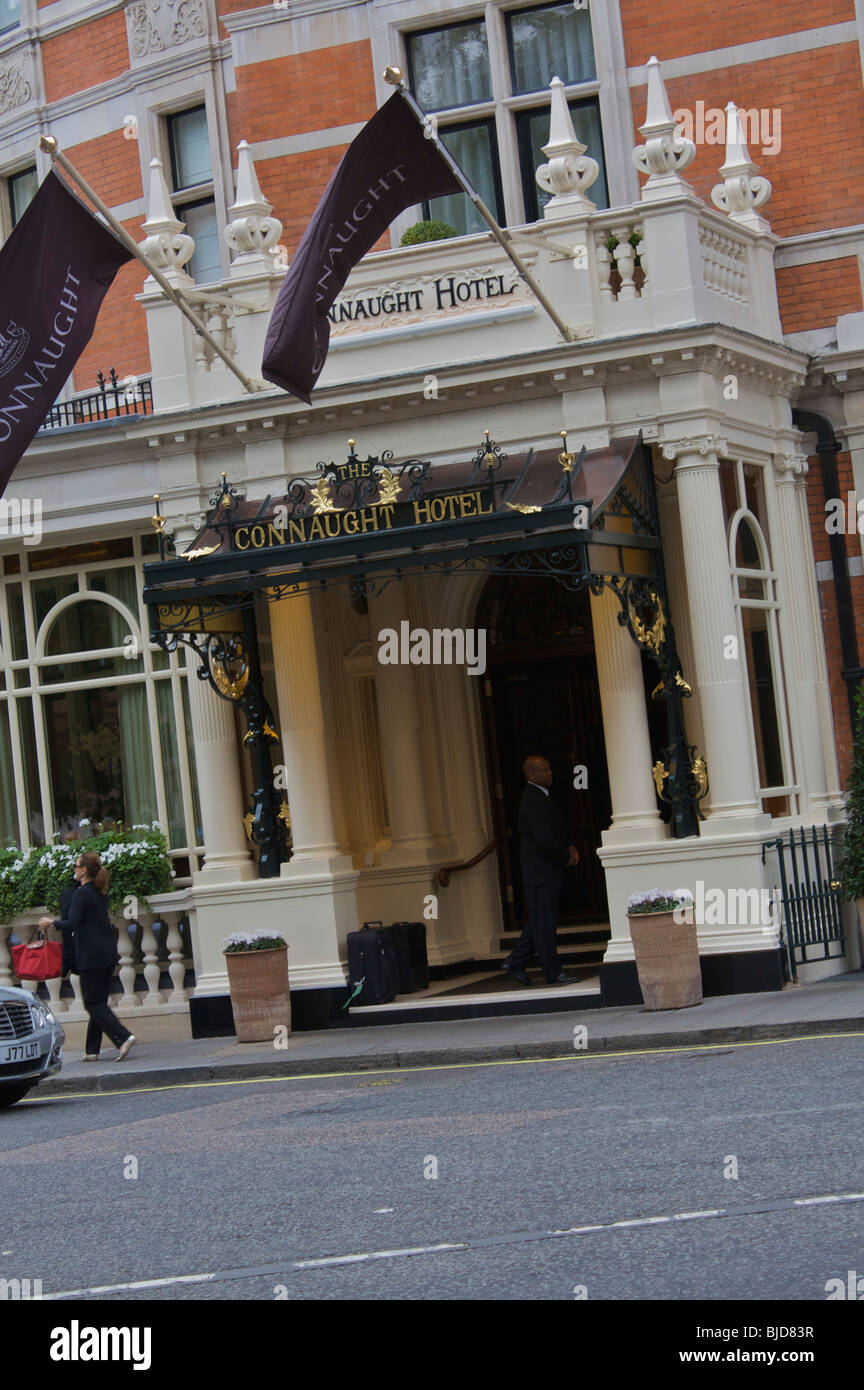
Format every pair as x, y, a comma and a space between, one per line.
545, 855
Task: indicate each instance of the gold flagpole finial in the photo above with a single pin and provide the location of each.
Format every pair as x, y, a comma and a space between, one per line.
565, 458
48, 144
393, 76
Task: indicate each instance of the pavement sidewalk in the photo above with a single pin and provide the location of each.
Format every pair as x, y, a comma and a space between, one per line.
831, 1006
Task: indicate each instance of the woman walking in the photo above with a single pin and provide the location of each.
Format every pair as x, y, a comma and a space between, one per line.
90, 937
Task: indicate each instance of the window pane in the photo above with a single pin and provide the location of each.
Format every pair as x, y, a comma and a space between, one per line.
200, 219
27, 735
85, 627
47, 592
762, 700
475, 149
552, 42
746, 549
171, 765
17, 630
450, 67
190, 148
10, 14
8, 808
22, 187
533, 132
99, 755
198, 831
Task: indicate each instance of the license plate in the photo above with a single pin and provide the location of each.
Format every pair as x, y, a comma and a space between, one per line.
19, 1052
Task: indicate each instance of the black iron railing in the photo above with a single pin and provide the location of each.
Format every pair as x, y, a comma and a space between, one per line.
810, 895
115, 396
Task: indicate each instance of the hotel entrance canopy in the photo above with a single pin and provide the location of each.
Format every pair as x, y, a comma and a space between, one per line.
587, 520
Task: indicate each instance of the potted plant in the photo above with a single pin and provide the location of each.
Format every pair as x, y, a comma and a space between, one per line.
666, 948
430, 230
850, 865
257, 965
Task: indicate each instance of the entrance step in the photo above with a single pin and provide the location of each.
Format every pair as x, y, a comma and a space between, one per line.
429, 1008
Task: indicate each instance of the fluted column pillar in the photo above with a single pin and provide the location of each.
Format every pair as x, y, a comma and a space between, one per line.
399, 727
726, 719
635, 817
801, 629
304, 739
227, 858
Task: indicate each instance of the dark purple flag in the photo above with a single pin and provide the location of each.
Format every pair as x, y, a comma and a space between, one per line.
55, 269
388, 167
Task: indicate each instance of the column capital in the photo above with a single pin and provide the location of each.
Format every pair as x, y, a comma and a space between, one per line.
702, 444
790, 466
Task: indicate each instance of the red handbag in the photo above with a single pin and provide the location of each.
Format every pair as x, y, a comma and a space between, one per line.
40, 960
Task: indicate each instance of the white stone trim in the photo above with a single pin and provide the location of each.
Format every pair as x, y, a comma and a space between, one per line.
760, 51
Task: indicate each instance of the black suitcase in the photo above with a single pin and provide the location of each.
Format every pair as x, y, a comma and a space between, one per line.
411, 953
372, 960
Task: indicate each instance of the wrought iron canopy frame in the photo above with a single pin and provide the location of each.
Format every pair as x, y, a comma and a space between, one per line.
510, 537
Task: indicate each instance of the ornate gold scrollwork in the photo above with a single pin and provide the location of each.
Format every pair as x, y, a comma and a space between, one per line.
659, 772
565, 458
267, 730
388, 488
201, 551
524, 507
653, 635
285, 816
699, 769
231, 686
684, 686
248, 820
322, 499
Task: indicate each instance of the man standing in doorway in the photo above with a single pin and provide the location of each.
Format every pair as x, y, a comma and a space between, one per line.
545, 854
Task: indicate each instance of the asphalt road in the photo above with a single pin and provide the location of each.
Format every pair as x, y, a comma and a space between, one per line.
255, 1182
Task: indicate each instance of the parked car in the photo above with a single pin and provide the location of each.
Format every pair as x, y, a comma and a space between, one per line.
31, 1044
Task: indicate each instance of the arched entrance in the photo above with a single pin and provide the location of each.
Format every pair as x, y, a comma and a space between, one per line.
541, 696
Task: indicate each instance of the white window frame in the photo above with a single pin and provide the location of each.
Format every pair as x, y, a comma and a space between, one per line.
392, 20
36, 689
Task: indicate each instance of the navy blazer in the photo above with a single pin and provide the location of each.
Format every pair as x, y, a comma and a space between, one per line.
543, 841
87, 930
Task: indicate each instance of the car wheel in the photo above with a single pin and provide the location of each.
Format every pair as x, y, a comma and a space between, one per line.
10, 1095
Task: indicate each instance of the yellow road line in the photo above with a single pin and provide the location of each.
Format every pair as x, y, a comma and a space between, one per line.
451, 1066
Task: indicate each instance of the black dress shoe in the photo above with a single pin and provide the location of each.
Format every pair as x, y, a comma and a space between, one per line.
517, 973
562, 979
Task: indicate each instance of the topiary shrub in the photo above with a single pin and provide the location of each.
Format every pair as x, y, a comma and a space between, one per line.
850, 867
427, 231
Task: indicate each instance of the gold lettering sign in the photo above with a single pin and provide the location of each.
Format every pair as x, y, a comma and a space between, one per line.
455, 506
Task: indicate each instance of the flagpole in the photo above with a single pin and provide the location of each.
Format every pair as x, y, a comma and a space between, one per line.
48, 144
395, 79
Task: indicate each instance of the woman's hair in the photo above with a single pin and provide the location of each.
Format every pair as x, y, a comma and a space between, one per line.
92, 866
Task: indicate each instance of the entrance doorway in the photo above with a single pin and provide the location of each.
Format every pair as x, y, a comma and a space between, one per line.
541, 696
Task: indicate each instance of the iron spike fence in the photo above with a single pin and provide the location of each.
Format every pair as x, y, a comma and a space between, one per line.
811, 897
115, 396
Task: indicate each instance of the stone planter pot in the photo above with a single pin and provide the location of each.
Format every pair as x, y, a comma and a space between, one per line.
667, 960
260, 998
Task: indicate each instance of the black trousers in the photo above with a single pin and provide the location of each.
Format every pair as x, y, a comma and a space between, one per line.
538, 934
95, 988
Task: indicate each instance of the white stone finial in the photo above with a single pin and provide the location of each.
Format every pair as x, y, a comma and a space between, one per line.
165, 245
743, 190
665, 152
252, 231
569, 171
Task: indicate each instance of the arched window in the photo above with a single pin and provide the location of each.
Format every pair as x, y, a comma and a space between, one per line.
94, 722
754, 585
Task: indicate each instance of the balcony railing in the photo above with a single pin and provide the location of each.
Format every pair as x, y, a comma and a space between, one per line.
130, 396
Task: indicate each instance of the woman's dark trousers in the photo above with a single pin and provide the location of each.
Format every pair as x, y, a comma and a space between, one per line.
95, 987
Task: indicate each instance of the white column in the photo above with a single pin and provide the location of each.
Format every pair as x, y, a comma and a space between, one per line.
304, 738
227, 858
635, 817
729, 745
801, 631
399, 726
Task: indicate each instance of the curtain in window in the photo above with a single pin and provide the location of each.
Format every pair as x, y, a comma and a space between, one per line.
475, 150
547, 43
450, 67
136, 759
8, 808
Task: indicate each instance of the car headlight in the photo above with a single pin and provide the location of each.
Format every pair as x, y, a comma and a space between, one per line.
42, 1015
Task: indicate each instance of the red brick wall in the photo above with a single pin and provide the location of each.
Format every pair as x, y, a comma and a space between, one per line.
84, 57
676, 27
235, 7
111, 165
812, 296
819, 91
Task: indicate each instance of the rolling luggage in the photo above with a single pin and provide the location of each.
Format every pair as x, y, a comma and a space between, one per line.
372, 960
410, 941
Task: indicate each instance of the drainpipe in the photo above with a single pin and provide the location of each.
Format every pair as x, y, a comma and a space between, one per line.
828, 447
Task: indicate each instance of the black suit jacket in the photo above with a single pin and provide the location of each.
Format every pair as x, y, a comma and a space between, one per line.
87, 929
543, 841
